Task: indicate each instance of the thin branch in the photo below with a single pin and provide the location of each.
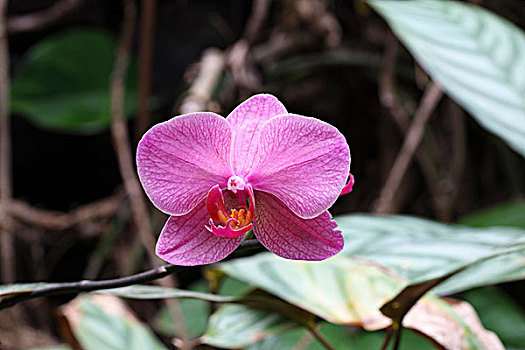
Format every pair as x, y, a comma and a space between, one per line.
390, 100
315, 332
120, 136
56, 220
304, 342
7, 252
41, 19
429, 101
146, 45
211, 67
122, 145
88, 286
397, 340
260, 9
388, 337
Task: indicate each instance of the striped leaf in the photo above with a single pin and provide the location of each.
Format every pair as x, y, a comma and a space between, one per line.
477, 57
421, 250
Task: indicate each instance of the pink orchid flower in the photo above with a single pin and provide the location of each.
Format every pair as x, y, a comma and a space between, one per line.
261, 168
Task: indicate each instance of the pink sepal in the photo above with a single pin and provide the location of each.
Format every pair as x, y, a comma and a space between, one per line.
227, 231
348, 187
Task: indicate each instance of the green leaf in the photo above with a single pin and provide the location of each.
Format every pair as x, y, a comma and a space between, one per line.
236, 326
104, 322
139, 291
344, 291
195, 313
477, 57
508, 214
55, 347
22, 288
421, 250
64, 83
341, 338
500, 314
341, 291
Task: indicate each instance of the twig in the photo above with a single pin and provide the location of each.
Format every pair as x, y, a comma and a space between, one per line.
259, 13
146, 45
6, 231
304, 342
397, 340
200, 93
457, 164
390, 100
429, 101
388, 336
119, 133
239, 63
315, 13
315, 332
121, 142
55, 220
87, 286
41, 19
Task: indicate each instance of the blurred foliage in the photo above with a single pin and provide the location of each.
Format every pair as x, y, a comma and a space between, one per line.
500, 314
104, 322
506, 214
64, 83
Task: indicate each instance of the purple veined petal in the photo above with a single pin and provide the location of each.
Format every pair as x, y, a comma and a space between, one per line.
291, 237
186, 241
178, 161
246, 121
303, 161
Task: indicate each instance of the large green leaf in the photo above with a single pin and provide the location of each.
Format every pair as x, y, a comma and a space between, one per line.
64, 83
56, 347
236, 326
340, 337
345, 291
341, 290
420, 249
476, 56
104, 322
22, 288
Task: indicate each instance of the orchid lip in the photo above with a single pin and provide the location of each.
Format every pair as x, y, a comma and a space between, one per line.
236, 221
228, 231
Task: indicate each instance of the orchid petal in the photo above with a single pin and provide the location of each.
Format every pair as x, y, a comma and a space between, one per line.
303, 161
179, 160
184, 240
291, 237
246, 121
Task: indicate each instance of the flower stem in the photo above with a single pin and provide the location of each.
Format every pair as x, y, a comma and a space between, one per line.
315, 332
88, 286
